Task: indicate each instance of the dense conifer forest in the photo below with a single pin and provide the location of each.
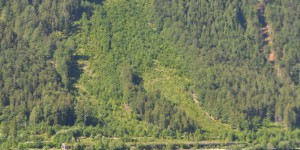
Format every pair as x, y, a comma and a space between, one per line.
149, 74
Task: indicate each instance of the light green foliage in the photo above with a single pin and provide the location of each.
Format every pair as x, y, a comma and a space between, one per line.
113, 72
167, 82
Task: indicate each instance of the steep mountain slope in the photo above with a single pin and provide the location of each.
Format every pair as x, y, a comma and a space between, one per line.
125, 70
105, 73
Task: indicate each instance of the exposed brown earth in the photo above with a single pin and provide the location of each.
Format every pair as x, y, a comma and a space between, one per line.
267, 34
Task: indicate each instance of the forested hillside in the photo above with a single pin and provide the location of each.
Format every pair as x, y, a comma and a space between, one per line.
117, 74
34, 62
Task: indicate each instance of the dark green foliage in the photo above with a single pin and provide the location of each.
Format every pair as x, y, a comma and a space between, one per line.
137, 69
224, 59
34, 85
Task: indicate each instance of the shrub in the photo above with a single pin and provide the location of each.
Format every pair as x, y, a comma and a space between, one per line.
286, 145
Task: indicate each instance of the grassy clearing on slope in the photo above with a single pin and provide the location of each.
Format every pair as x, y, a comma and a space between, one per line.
175, 89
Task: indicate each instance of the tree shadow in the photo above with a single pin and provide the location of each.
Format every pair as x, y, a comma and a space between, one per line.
136, 79
241, 18
76, 70
96, 1
261, 15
